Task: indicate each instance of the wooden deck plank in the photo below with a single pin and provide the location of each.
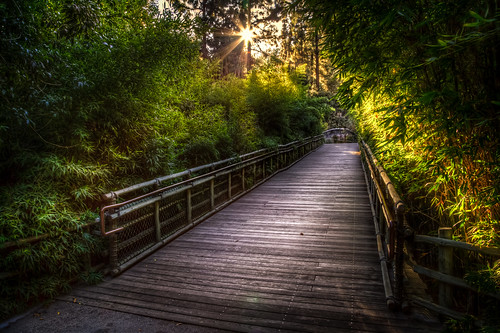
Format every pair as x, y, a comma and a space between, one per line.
296, 254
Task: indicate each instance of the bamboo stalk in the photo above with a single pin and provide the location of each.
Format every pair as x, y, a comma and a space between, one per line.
38, 238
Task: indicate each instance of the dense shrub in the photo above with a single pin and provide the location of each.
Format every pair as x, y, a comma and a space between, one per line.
82, 112
283, 108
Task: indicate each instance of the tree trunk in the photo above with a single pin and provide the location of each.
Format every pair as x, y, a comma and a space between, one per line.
204, 48
249, 44
316, 54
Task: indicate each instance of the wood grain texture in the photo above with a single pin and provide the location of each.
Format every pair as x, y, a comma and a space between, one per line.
296, 254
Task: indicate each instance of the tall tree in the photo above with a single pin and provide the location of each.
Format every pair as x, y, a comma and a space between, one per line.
221, 23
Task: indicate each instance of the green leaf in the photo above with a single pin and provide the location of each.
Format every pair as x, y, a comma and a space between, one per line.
476, 15
472, 25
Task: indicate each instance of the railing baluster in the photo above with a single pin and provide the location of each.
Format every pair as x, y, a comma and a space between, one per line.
212, 194
157, 215
189, 207
243, 179
254, 174
399, 234
263, 169
157, 221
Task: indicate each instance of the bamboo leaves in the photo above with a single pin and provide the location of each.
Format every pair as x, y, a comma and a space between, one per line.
421, 81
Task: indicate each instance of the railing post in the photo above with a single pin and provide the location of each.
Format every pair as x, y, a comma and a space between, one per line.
243, 179
254, 174
157, 221
157, 216
189, 207
229, 195
113, 239
445, 262
399, 253
212, 194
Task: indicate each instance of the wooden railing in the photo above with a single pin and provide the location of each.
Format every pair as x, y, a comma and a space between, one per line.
446, 254
397, 243
149, 218
388, 216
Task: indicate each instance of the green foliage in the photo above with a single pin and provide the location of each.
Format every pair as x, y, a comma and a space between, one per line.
91, 277
464, 325
83, 91
423, 77
282, 106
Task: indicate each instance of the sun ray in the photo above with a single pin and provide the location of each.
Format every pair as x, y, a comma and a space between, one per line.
247, 35
229, 48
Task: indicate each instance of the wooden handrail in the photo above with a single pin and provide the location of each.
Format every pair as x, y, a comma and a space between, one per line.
387, 205
491, 251
386, 193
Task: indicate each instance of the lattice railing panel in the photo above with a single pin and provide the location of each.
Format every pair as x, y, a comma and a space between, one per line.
200, 200
220, 190
172, 214
137, 234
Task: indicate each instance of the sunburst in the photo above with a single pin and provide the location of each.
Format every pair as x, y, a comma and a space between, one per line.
246, 36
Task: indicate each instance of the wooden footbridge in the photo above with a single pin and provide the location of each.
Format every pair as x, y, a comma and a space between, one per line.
298, 252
